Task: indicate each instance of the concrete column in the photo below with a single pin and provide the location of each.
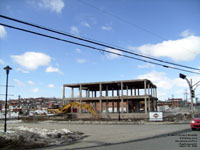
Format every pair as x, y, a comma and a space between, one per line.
80, 111
134, 91
118, 106
100, 105
127, 107
95, 93
100, 89
122, 89
72, 92
148, 89
80, 91
156, 93
145, 87
106, 90
145, 105
113, 106
107, 104
63, 95
127, 90
88, 93
112, 93
149, 104
131, 92
137, 106
138, 92
122, 102
95, 105
154, 105
80, 96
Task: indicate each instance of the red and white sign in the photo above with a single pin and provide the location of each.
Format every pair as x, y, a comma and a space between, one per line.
155, 116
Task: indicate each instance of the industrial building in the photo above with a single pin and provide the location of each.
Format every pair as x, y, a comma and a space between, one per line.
112, 97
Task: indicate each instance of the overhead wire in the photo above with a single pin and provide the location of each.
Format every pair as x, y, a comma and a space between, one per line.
128, 22
96, 43
95, 48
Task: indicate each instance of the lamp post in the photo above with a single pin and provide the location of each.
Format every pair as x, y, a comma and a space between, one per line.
7, 68
182, 76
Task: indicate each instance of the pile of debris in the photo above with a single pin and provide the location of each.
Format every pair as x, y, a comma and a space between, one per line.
177, 117
29, 138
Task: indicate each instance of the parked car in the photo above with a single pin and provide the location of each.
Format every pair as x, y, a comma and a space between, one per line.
195, 123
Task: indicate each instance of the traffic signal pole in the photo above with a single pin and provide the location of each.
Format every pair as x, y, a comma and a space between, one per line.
191, 92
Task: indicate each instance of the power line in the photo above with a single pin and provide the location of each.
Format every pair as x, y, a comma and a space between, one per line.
121, 19
95, 48
97, 43
127, 22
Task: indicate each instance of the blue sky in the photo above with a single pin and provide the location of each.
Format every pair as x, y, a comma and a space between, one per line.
164, 29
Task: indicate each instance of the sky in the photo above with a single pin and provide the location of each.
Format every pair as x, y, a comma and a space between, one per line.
163, 29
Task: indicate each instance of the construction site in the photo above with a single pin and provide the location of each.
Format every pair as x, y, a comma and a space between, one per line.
113, 99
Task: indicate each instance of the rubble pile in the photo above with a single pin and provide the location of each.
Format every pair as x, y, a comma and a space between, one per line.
29, 138
177, 117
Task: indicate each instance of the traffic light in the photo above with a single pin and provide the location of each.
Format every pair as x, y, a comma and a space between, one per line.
192, 93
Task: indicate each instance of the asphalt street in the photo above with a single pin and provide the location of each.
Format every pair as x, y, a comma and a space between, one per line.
173, 141
150, 136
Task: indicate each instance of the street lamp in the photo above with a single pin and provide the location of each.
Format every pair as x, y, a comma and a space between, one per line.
7, 68
182, 76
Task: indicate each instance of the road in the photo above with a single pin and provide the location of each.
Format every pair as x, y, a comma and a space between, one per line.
165, 142
143, 137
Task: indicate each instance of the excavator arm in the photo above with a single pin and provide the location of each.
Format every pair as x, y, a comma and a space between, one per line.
65, 108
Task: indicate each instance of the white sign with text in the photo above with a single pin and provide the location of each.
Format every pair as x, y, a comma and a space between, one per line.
156, 116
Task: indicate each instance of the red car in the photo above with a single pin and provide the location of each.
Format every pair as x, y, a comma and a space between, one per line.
195, 123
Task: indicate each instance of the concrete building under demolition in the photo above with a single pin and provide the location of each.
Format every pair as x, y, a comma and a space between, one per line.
128, 98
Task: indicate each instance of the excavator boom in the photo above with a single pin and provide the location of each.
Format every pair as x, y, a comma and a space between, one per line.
65, 108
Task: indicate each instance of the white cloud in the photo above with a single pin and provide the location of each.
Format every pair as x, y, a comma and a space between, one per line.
52, 69
31, 82
106, 28
22, 70
74, 30
158, 78
111, 55
184, 49
147, 65
2, 62
32, 60
3, 32
78, 50
85, 24
164, 84
186, 33
53, 5
80, 61
51, 85
35, 90
19, 83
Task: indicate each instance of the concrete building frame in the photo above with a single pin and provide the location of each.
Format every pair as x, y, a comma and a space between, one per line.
126, 96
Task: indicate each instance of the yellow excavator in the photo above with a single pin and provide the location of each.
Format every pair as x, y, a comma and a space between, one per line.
66, 107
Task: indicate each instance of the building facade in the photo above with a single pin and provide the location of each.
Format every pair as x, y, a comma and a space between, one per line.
126, 96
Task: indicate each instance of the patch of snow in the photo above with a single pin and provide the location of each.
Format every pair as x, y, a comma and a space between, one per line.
44, 132
14, 121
